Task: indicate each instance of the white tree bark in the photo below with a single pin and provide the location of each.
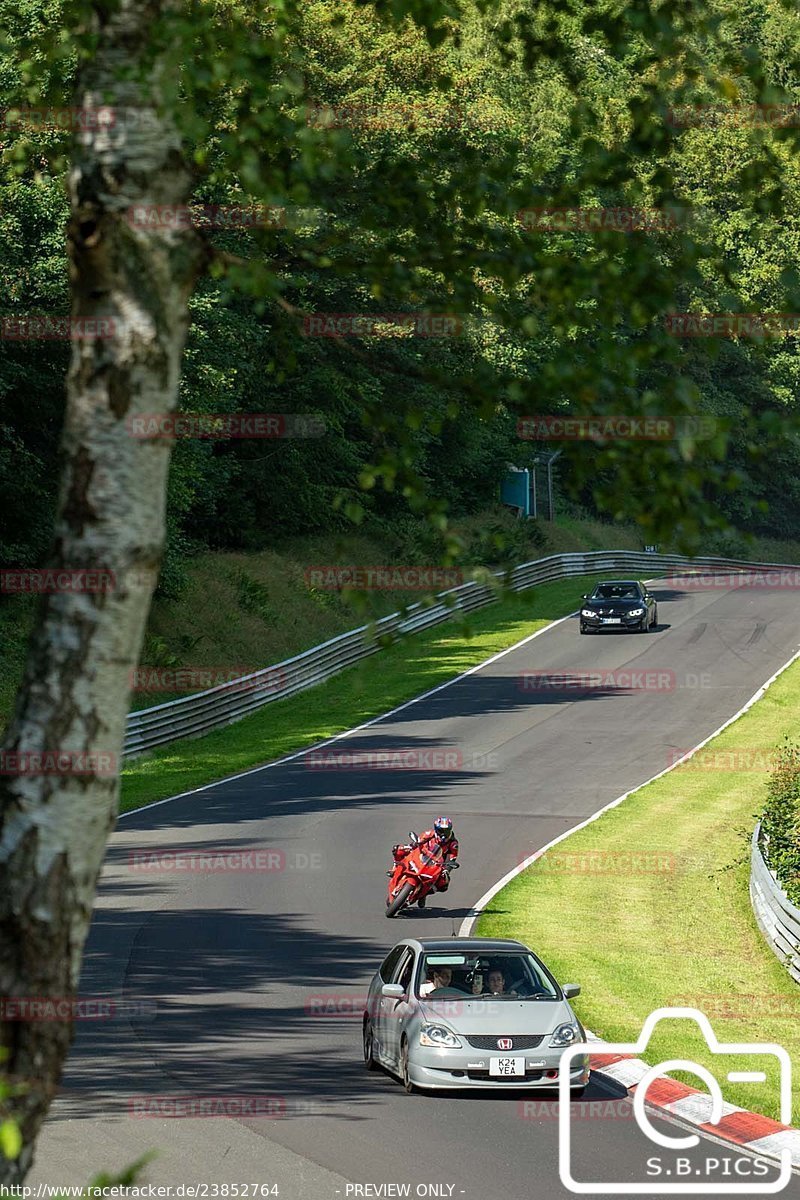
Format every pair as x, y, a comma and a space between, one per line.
74, 697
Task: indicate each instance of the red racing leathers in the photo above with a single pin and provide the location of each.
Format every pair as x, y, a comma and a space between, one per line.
429, 840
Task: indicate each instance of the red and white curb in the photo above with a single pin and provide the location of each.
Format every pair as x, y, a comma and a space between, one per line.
755, 1133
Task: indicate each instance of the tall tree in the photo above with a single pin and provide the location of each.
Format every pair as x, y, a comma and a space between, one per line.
213, 95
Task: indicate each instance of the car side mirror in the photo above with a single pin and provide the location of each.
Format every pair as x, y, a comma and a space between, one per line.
393, 991
571, 990
584, 596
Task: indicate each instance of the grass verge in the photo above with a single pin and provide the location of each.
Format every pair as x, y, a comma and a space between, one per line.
678, 928
366, 690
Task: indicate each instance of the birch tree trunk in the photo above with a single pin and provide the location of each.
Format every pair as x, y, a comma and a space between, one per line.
74, 697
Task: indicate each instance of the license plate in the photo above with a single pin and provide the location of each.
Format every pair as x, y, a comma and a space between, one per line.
506, 1066
612, 620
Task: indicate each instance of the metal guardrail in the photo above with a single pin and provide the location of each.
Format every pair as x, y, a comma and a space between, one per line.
778, 918
191, 716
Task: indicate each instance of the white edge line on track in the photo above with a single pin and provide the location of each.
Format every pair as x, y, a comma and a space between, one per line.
466, 925
357, 729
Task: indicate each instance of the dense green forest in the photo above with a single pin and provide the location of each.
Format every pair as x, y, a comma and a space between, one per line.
397, 161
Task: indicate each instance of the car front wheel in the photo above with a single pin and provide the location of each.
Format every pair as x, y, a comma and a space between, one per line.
369, 1046
407, 1084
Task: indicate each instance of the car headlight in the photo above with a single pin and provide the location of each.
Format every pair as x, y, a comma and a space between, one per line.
636, 612
565, 1035
588, 612
439, 1036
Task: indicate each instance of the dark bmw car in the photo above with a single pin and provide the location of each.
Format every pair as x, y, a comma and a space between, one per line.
619, 604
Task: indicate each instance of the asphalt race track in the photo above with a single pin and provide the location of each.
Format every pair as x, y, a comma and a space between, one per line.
238, 976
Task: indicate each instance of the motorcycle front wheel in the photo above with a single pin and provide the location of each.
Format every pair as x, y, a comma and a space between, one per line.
400, 899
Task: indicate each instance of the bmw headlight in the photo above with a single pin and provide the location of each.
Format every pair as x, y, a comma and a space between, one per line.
588, 612
439, 1036
636, 612
566, 1035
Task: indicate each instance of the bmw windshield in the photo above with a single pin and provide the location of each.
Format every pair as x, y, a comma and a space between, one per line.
616, 591
503, 976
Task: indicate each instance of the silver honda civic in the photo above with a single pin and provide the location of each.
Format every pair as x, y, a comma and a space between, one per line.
471, 1012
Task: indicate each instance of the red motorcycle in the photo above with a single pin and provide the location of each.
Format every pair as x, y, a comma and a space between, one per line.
415, 876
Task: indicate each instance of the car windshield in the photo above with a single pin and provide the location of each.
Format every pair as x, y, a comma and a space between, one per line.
503, 976
616, 591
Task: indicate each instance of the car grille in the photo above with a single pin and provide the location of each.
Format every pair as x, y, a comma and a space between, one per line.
614, 612
522, 1042
528, 1077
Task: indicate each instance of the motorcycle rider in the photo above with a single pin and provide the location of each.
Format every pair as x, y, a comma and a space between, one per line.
441, 835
